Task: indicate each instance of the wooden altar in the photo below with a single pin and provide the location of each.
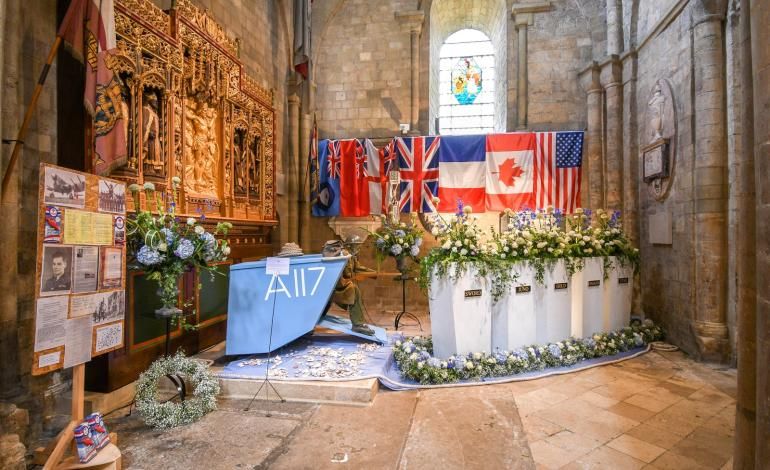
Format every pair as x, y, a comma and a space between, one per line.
191, 112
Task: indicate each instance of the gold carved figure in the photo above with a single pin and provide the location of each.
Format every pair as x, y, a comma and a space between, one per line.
201, 148
153, 156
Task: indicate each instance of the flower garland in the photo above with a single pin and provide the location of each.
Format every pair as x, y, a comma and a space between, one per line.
169, 414
415, 360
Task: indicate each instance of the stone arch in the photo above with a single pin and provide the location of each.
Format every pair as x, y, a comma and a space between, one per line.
449, 16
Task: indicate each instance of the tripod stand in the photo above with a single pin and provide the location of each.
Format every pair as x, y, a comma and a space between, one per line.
403, 278
267, 367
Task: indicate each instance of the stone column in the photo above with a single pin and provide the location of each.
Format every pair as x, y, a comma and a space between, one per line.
710, 192
760, 57
746, 244
292, 169
303, 194
413, 19
523, 15
614, 27
610, 77
630, 164
593, 176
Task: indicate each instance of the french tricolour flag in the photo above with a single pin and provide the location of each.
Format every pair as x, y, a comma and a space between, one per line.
511, 171
461, 172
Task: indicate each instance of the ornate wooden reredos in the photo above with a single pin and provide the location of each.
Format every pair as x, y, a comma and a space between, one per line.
193, 112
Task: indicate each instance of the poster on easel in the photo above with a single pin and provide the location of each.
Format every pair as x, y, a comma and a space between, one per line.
81, 259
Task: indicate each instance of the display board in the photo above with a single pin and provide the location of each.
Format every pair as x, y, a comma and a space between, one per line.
80, 277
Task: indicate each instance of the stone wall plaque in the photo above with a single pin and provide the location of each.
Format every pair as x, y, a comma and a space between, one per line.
658, 140
660, 229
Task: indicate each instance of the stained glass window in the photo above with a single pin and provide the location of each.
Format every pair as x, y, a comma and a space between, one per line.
467, 84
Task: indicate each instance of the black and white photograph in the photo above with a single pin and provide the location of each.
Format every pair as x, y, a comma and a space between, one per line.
64, 188
56, 273
112, 196
104, 307
85, 269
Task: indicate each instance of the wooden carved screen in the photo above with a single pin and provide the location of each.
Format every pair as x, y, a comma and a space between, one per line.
193, 113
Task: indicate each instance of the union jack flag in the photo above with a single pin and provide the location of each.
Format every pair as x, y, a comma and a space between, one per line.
361, 171
418, 163
335, 159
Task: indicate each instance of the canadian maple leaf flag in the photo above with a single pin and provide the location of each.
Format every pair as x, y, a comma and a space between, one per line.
510, 171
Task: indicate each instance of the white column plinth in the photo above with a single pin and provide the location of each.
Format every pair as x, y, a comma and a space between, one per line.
461, 322
515, 314
588, 299
554, 305
618, 289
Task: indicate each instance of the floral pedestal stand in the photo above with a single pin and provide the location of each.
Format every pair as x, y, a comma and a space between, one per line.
401, 265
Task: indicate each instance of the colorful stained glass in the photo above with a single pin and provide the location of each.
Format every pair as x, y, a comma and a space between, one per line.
466, 80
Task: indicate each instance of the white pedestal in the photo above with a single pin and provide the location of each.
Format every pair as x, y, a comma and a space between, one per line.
554, 305
461, 321
588, 299
515, 314
618, 290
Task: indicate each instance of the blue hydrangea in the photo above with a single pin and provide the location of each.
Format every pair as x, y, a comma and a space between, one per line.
638, 340
380, 242
424, 356
433, 362
590, 343
501, 356
396, 250
521, 355
459, 363
408, 346
418, 242
148, 257
400, 234
170, 236
185, 249
554, 350
415, 250
208, 239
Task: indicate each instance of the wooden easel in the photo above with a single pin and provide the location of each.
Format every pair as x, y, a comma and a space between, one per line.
108, 457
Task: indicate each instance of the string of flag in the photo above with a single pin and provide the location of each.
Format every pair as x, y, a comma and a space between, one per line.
492, 172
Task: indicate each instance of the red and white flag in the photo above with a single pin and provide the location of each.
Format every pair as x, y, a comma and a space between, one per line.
511, 171
88, 29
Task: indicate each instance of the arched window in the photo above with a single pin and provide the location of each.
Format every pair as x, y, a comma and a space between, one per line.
467, 84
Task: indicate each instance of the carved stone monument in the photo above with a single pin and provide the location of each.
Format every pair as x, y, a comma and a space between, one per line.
659, 140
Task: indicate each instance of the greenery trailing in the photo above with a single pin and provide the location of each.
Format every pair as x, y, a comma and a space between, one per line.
415, 360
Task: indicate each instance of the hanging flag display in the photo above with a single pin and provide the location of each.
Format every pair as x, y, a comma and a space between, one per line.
418, 166
510, 171
462, 171
488, 172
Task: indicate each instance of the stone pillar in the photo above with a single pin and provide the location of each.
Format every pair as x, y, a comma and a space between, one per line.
303, 193
523, 15
614, 27
630, 165
746, 244
760, 58
413, 19
593, 176
610, 77
710, 192
292, 170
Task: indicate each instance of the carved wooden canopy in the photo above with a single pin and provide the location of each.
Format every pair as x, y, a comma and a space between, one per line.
193, 113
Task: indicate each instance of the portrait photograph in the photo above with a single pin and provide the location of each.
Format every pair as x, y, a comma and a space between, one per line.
56, 277
64, 188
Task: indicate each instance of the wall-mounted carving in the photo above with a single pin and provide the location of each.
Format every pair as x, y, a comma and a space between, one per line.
192, 113
659, 140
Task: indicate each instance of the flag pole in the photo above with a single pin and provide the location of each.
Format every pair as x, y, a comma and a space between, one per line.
19, 142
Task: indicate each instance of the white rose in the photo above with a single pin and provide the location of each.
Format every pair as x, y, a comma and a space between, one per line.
190, 221
434, 232
454, 249
162, 247
200, 230
542, 245
463, 252
458, 243
447, 245
586, 238
226, 250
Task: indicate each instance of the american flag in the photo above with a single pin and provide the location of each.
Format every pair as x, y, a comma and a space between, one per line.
418, 163
558, 160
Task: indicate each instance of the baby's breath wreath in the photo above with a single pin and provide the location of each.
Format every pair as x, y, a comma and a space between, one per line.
170, 414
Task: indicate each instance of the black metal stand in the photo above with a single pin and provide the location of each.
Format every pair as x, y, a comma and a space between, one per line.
267, 369
403, 278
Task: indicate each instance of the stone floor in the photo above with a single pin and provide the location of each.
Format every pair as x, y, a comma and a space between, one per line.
660, 410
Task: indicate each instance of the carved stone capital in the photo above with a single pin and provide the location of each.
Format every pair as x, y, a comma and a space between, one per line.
589, 79
708, 10
611, 72
413, 19
523, 13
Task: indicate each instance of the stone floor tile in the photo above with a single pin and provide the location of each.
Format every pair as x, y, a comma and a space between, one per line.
712, 396
655, 399
636, 448
549, 455
677, 388
675, 425
537, 428
530, 403
597, 399
708, 449
630, 411
573, 442
617, 390
673, 461
654, 435
607, 458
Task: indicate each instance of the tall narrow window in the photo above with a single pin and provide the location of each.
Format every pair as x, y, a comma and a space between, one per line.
467, 84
